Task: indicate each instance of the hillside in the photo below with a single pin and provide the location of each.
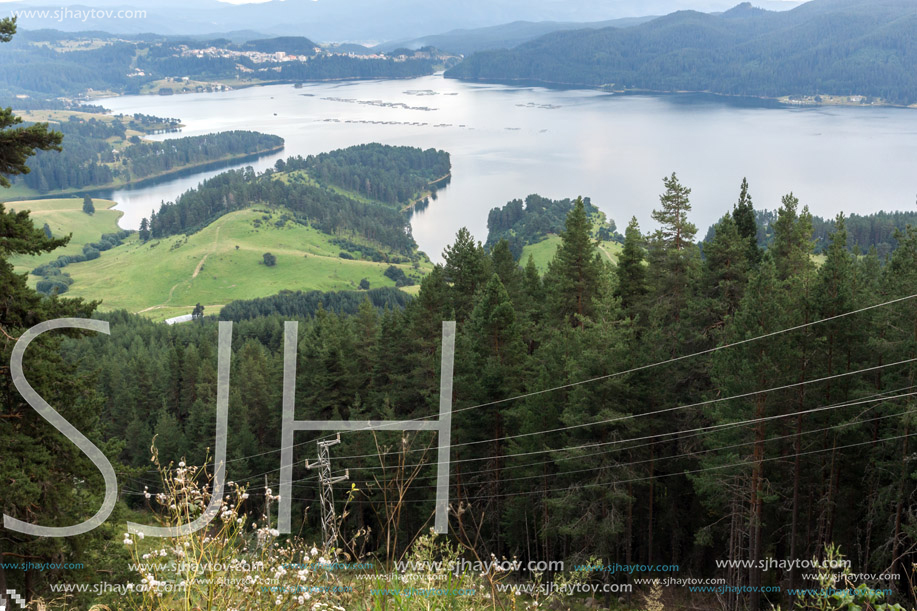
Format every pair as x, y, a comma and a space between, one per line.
365, 190
328, 222
166, 277
65, 216
835, 47
45, 65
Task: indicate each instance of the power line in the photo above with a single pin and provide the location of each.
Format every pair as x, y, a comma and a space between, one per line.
654, 477
668, 361
682, 435
674, 456
698, 430
599, 378
657, 412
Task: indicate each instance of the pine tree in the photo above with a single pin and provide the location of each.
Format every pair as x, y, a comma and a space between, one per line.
740, 370
792, 247
631, 270
576, 275
743, 214
491, 370
88, 206
726, 267
466, 269
676, 231
504, 265
34, 456
17, 144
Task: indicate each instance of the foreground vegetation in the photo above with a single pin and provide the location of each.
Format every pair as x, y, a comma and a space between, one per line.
550, 435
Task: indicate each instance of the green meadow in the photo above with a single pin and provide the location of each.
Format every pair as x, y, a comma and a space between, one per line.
65, 216
224, 262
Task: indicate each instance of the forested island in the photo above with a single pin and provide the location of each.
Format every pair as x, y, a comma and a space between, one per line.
361, 190
108, 152
523, 223
855, 48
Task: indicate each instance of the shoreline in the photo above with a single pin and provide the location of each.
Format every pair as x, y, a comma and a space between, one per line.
146, 179
243, 85
806, 101
784, 100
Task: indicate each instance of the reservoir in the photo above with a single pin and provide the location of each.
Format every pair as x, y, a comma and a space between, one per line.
507, 142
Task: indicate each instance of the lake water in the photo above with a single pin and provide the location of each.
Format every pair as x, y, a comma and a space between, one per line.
507, 142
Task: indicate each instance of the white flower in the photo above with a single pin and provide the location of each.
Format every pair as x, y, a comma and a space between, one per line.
314, 552
181, 464
140, 536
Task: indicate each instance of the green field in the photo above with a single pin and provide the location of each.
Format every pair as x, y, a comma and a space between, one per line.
544, 250
221, 263
65, 216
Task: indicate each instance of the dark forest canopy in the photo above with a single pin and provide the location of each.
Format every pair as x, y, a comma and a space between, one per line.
299, 304
834, 47
711, 459
388, 174
864, 231
90, 159
317, 190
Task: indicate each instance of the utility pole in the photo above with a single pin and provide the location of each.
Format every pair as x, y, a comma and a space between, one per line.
329, 521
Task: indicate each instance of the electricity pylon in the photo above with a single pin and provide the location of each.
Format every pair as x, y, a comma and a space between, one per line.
329, 520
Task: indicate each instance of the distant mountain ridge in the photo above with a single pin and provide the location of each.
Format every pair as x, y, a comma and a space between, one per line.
504, 36
362, 21
837, 47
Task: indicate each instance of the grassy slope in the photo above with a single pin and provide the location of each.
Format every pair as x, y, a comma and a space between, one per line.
66, 216
166, 278
544, 250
